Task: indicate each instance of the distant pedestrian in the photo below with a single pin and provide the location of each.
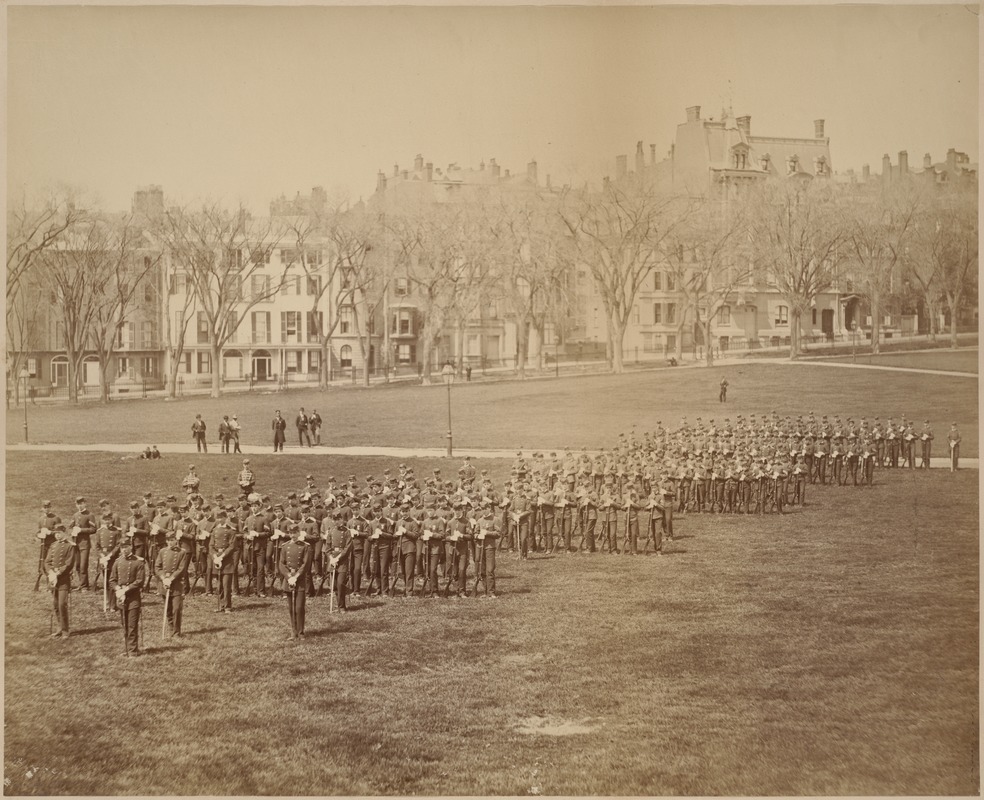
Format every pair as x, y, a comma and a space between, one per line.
234, 429
315, 421
953, 437
468, 370
198, 433
302, 422
723, 394
279, 432
224, 434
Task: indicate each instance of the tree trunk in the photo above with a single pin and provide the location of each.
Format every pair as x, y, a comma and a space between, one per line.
954, 304
172, 368
794, 333
425, 357
522, 337
323, 370
104, 380
73, 378
707, 342
216, 377
875, 321
617, 338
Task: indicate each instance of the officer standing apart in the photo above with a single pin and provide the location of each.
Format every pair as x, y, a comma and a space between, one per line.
279, 432
295, 564
58, 566
172, 572
723, 394
198, 433
315, 422
127, 579
234, 430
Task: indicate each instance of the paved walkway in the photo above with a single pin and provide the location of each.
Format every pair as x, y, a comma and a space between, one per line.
844, 365
383, 452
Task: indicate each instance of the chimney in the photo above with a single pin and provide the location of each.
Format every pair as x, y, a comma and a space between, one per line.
927, 161
531, 172
380, 181
621, 166
652, 154
429, 171
494, 167
405, 174
640, 159
693, 113
866, 173
744, 125
396, 170
951, 161
418, 163
903, 162
818, 128
886, 168
506, 175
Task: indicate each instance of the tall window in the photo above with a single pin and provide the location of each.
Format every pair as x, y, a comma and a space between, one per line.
346, 319
313, 257
148, 291
291, 284
348, 278
202, 328
724, 315
178, 283
404, 354
127, 335
814, 316
148, 366
402, 287
186, 362
290, 325
146, 335
204, 363
657, 280
635, 315
345, 356
122, 367
782, 315
670, 313
232, 325
59, 336
402, 322
261, 327
669, 281
314, 285
179, 321
287, 256
293, 363
314, 360
658, 313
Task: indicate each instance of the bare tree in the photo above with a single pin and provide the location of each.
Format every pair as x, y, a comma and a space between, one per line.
127, 263
78, 272
879, 223
430, 247
708, 259
30, 232
225, 257
530, 267
951, 242
799, 240
619, 233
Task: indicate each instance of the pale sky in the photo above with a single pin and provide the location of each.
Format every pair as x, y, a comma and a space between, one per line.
246, 103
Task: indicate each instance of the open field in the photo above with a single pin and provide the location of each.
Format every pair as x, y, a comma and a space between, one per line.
833, 651
948, 360
547, 413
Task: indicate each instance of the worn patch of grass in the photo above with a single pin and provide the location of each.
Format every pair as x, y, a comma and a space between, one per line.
830, 651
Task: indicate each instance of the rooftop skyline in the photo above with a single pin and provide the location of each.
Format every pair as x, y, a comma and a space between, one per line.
251, 103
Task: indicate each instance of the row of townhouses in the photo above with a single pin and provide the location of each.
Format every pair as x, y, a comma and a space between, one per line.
277, 338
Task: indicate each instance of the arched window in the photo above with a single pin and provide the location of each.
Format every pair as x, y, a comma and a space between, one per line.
345, 356
59, 371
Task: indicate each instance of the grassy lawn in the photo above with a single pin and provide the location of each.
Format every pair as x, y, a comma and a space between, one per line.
548, 413
832, 651
949, 360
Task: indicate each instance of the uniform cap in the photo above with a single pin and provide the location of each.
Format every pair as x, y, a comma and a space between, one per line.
134, 504
306, 477
82, 499
191, 466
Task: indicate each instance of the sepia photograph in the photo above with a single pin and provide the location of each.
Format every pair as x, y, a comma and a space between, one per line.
492, 400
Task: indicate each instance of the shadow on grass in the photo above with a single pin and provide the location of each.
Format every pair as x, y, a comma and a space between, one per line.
201, 632
101, 629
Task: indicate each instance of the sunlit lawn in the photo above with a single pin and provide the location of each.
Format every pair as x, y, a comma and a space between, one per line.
546, 413
831, 651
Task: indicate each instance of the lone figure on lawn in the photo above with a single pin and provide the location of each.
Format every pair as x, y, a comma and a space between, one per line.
723, 395
198, 433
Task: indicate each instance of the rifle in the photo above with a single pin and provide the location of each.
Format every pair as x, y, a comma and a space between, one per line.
37, 580
167, 599
291, 610
480, 566
331, 588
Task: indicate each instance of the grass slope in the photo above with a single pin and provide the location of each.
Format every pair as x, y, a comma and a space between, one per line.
961, 361
830, 651
549, 413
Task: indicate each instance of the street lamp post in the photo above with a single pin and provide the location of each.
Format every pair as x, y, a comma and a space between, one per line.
854, 341
448, 373
24, 375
